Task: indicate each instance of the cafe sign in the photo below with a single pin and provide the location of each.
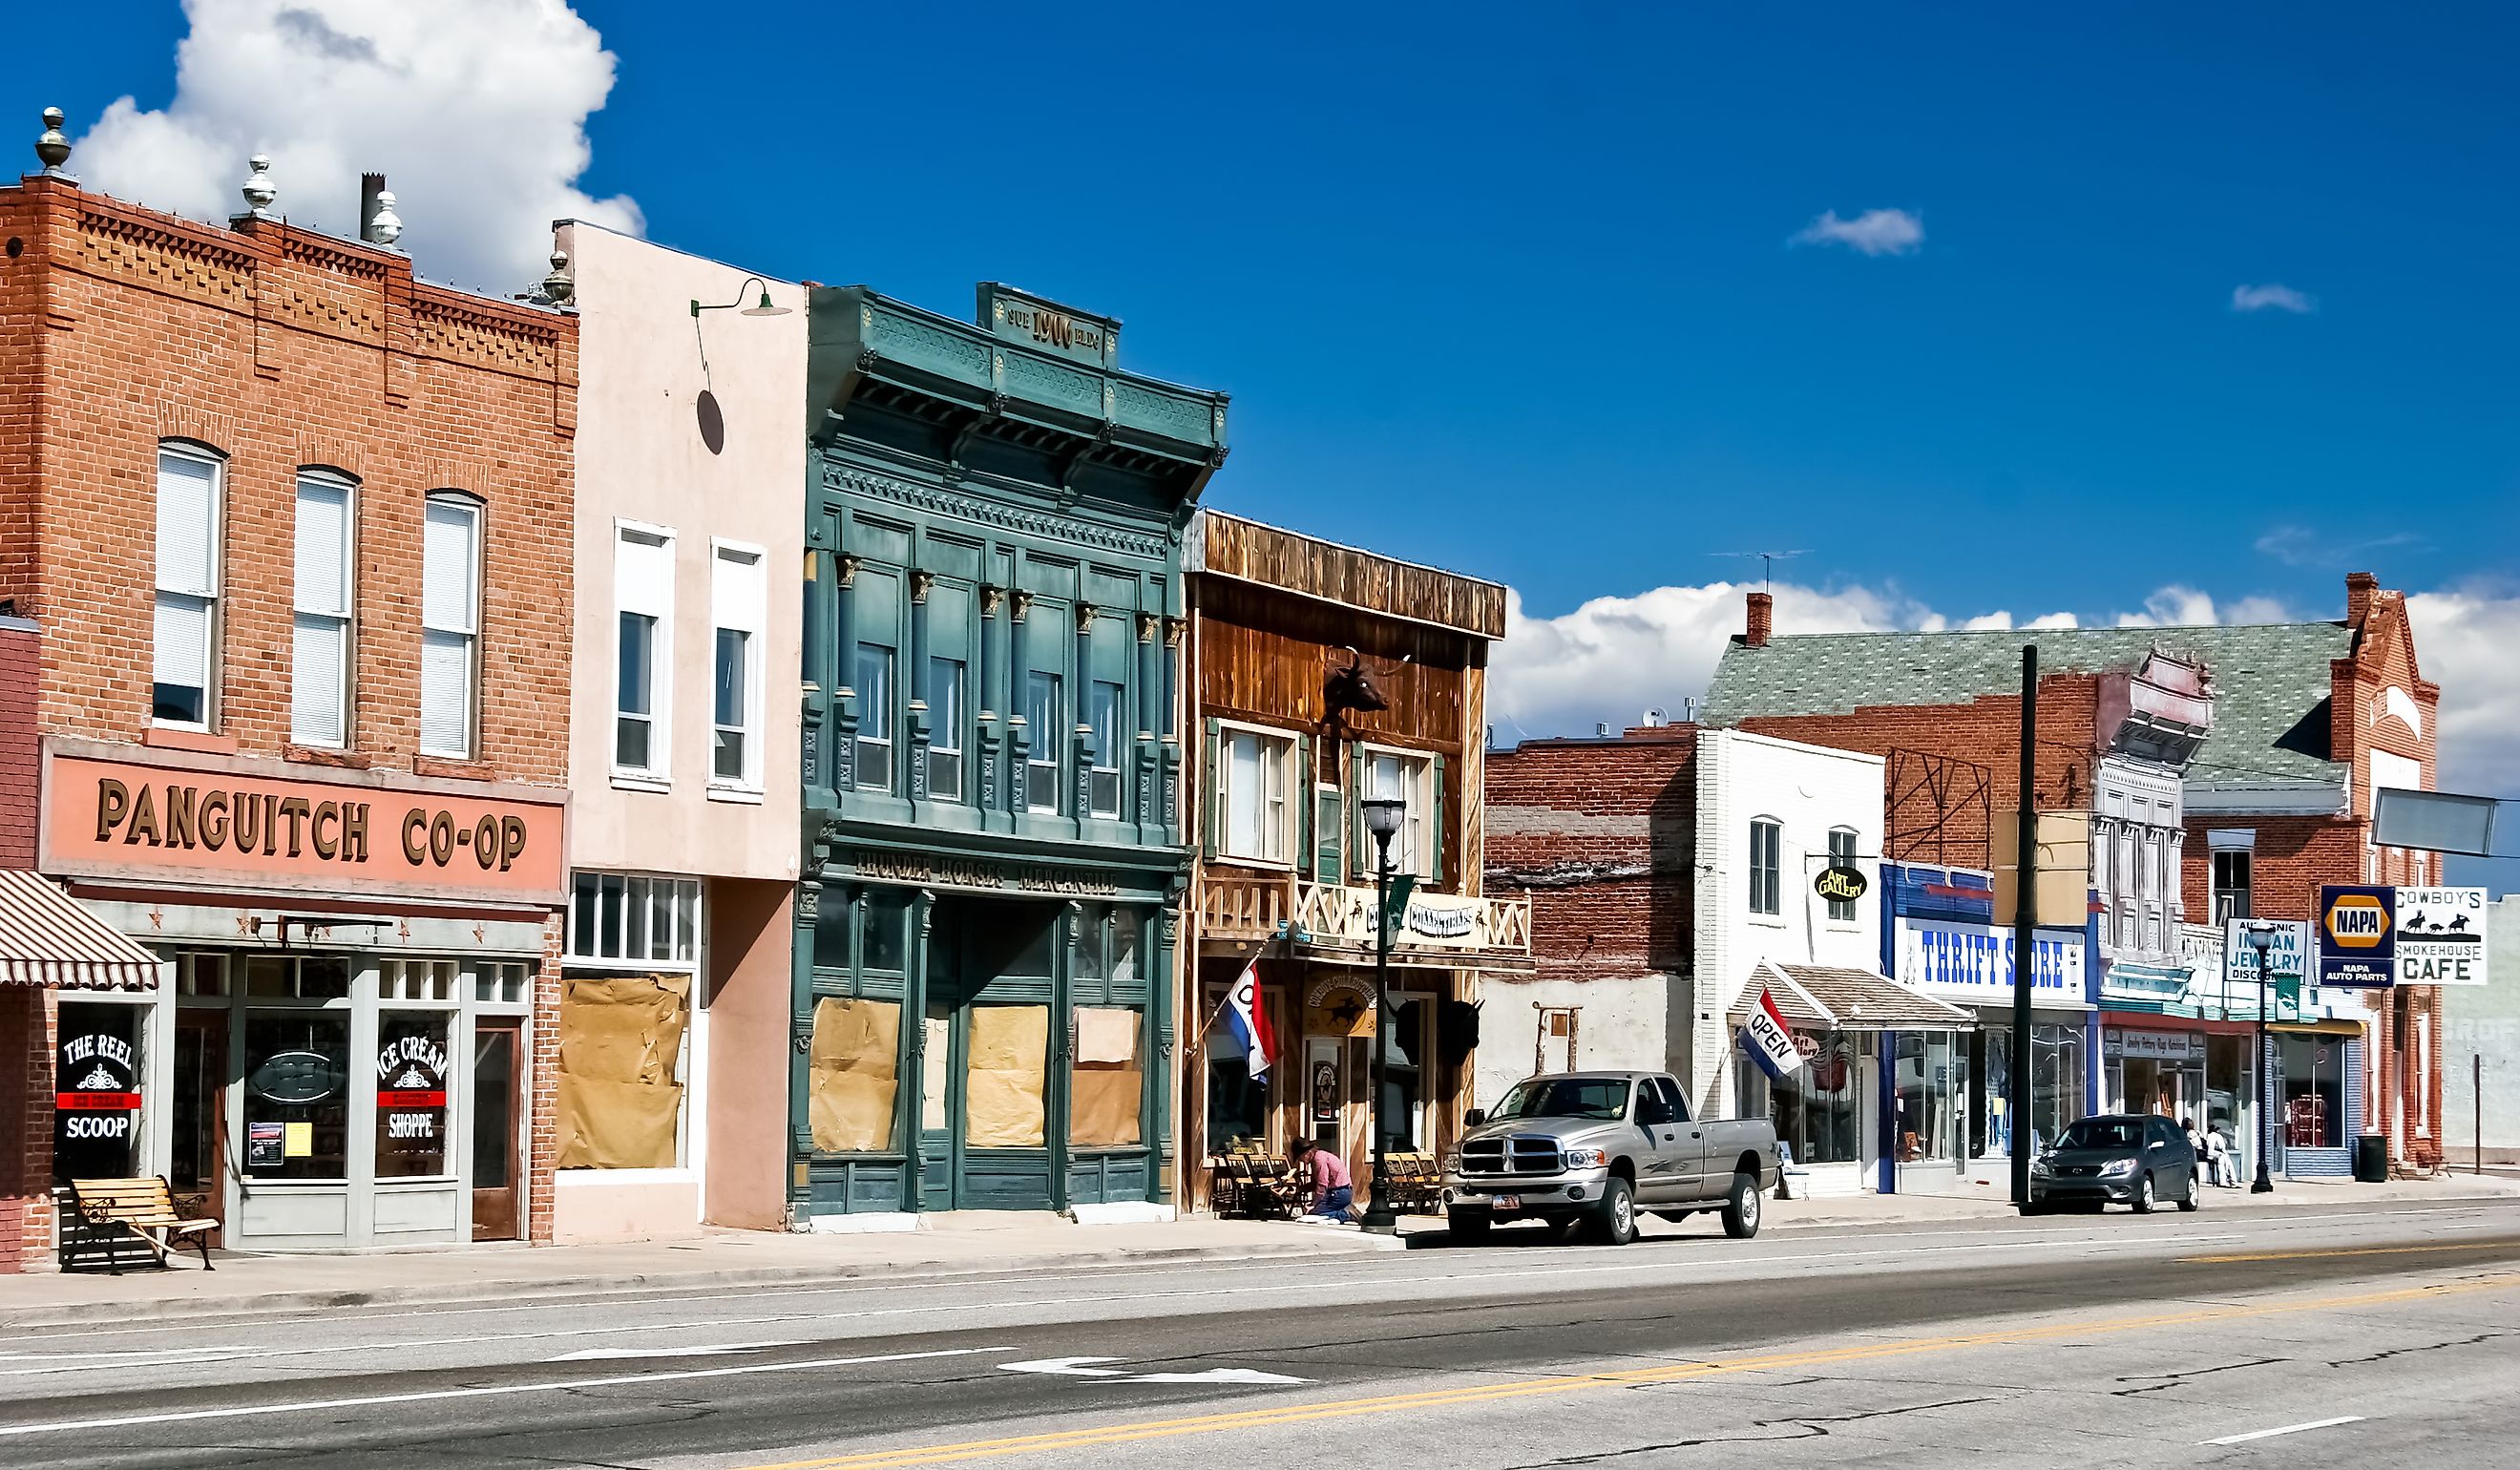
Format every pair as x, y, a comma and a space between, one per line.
243, 828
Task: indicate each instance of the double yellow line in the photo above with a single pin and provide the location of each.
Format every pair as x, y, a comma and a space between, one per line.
1344, 1408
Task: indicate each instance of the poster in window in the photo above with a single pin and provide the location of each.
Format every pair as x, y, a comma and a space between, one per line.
96, 1093
263, 1145
1325, 1098
411, 1094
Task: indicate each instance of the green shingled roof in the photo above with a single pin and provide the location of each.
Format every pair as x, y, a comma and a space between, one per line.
2270, 681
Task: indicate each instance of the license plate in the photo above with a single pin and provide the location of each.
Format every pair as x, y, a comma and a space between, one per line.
1506, 1202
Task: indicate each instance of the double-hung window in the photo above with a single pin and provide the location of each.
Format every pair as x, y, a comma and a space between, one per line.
188, 587
319, 699
2232, 886
643, 598
1104, 718
739, 596
945, 734
1042, 712
1767, 865
1251, 792
1841, 854
873, 688
450, 621
1390, 774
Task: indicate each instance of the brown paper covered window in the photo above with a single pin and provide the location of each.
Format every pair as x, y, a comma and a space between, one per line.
619, 1101
1010, 1063
855, 1075
1105, 1088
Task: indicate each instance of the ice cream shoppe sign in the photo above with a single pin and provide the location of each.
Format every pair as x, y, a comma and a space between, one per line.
262, 825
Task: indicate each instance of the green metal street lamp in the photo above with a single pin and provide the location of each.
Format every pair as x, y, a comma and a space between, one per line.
2261, 938
1382, 816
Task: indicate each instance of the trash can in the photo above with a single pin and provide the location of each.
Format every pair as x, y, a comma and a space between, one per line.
2371, 1159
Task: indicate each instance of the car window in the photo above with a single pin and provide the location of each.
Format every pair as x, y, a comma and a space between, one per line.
2102, 1132
1602, 1099
1654, 1106
1671, 1090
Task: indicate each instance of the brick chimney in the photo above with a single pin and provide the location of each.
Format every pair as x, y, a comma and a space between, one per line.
2359, 589
1763, 621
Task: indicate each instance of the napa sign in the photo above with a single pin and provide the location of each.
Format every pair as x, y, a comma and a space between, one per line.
1971, 964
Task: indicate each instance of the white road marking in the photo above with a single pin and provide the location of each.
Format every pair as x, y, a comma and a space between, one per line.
589, 1355
1080, 1367
318, 1405
2268, 1434
1072, 1367
1216, 1376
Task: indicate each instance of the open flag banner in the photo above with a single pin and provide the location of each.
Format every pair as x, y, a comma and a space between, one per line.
1246, 1017
1765, 1037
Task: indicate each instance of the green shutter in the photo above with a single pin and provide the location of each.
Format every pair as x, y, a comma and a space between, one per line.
1329, 825
1211, 785
1299, 785
1359, 843
1435, 827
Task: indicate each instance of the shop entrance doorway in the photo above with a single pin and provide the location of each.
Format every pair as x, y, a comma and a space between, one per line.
201, 1162
498, 1108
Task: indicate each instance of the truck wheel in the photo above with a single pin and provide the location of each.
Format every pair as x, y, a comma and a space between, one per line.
1618, 1217
1741, 1210
1470, 1226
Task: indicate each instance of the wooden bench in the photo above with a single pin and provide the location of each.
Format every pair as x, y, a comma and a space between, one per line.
108, 1212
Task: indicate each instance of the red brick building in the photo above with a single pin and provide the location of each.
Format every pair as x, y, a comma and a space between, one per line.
2268, 795
294, 529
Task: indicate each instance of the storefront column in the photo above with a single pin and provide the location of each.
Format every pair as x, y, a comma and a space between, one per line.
1159, 936
909, 1093
811, 895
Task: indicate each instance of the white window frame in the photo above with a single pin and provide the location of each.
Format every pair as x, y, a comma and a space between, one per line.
1854, 845
745, 560
1051, 739
471, 634
1106, 752
945, 733
1409, 845
687, 951
876, 708
210, 595
1773, 875
1277, 752
347, 618
657, 603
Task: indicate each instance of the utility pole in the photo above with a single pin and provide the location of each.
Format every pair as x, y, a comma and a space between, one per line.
2025, 927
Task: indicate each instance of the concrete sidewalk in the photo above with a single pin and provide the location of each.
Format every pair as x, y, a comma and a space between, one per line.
958, 1245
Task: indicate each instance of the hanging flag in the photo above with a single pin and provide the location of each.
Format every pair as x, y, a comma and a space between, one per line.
1770, 1044
1247, 1019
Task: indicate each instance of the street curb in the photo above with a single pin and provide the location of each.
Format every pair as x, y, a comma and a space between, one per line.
551, 1289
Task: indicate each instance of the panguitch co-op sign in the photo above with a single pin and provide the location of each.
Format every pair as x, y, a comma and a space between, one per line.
115, 818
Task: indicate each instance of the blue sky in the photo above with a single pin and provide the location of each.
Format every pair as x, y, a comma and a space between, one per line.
1510, 288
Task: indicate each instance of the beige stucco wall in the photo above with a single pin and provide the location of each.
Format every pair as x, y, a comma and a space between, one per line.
641, 458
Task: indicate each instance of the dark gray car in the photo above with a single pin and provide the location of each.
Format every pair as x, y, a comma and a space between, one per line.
2117, 1159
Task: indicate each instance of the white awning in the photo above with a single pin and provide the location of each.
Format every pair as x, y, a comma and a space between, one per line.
47, 939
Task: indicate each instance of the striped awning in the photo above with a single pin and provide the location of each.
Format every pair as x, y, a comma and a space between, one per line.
47, 939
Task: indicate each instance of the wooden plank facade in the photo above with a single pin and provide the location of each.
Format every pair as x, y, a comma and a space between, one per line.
1324, 675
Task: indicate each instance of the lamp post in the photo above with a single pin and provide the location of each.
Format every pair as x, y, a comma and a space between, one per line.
2261, 938
1382, 815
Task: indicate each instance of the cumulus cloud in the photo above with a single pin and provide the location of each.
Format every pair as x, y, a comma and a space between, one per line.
475, 111
2463, 640
1875, 231
2273, 297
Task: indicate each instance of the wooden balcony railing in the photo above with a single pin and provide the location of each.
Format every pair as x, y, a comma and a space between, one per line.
1254, 908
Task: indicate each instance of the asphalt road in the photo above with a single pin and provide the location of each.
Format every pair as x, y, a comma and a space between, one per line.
2368, 1337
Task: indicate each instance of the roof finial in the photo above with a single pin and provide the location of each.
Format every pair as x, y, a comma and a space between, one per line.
51, 147
258, 189
384, 227
557, 288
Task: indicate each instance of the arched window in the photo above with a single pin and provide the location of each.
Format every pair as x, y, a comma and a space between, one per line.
1841, 854
450, 619
324, 599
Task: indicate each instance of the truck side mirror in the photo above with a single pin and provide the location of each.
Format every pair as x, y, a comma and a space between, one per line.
1475, 1117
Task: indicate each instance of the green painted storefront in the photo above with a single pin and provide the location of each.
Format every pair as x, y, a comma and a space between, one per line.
993, 852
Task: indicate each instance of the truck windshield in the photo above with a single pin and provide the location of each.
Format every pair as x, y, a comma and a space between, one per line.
1601, 1097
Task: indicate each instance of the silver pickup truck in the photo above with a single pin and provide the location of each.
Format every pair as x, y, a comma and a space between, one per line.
1593, 1148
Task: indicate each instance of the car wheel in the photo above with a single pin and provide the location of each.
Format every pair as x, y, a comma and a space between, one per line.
2194, 1199
1741, 1211
1470, 1226
1618, 1217
2142, 1200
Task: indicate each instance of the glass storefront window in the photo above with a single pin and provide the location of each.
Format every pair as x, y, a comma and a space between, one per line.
2058, 1059
1407, 1074
2312, 1077
1816, 1107
297, 1095
97, 1075
411, 1093
1930, 1068
1238, 1103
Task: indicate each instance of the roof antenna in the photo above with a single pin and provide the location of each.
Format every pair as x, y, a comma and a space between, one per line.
1767, 563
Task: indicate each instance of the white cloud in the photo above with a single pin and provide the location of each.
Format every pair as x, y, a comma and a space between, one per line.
2273, 297
2463, 640
475, 111
2300, 546
1875, 231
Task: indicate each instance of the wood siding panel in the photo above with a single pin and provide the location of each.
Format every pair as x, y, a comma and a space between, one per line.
1315, 568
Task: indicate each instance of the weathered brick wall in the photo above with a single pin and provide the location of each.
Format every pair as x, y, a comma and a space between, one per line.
1601, 834
1984, 731
21, 759
280, 349
26, 1128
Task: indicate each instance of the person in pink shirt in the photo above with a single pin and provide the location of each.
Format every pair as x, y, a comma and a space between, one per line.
1333, 1189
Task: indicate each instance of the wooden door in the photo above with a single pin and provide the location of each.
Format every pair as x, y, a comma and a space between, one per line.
498, 1110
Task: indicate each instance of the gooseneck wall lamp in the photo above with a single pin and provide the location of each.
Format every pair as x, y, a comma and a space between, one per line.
761, 306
